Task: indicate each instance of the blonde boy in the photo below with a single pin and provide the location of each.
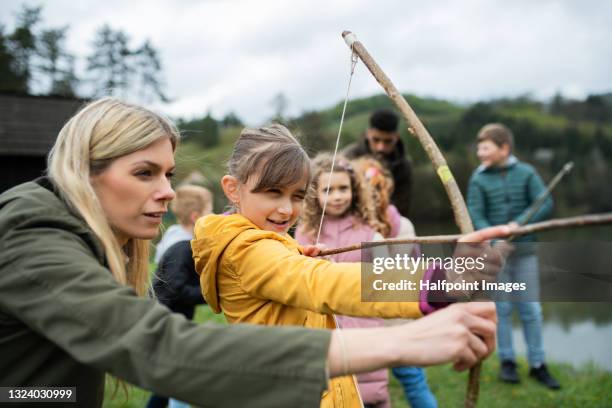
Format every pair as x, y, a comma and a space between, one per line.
191, 203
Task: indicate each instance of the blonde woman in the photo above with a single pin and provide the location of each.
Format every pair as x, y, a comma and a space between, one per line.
73, 275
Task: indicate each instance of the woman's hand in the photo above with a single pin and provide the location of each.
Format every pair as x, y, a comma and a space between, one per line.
474, 246
462, 334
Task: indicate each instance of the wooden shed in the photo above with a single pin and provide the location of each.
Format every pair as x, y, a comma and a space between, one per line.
28, 128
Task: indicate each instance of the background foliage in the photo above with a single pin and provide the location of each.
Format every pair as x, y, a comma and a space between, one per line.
547, 135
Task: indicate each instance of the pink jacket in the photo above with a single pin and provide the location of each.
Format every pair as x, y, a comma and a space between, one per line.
396, 221
337, 232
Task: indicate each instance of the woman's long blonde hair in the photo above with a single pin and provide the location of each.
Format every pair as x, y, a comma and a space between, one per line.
101, 132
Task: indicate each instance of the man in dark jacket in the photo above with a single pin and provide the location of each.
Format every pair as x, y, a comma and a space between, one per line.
382, 141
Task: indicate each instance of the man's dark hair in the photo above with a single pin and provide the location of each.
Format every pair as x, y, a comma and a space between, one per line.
384, 120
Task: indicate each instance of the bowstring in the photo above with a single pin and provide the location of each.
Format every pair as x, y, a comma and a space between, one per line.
348, 88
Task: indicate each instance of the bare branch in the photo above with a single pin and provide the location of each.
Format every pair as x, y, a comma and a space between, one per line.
570, 222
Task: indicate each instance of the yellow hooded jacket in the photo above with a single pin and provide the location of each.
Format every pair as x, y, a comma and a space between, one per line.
261, 277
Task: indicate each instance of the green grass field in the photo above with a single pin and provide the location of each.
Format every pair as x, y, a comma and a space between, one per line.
588, 386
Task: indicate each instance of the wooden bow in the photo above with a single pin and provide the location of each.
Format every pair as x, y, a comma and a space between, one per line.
462, 217
579, 221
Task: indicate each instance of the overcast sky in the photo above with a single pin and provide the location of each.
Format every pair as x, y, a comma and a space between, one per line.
236, 55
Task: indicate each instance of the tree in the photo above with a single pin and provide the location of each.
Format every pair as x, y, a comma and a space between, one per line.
119, 69
279, 103
557, 104
204, 131
596, 109
110, 64
10, 80
231, 119
56, 62
313, 136
29, 56
210, 131
21, 45
35, 61
67, 83
148, 68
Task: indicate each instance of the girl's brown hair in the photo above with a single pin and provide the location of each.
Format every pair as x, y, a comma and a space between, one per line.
272, 154
361, 206
379, 183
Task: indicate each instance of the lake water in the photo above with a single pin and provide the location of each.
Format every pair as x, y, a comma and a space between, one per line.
574, 338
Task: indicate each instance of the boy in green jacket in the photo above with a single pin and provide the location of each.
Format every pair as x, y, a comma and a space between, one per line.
501, 191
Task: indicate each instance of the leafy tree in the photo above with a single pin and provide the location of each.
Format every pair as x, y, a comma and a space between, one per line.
56, 62
148, 68
119, 69
10, 80
204, 131
109, 63
279, 104
603, 141
21, 45
230, 120
210, 131
28, 56
596, 108
313, 135
556, 104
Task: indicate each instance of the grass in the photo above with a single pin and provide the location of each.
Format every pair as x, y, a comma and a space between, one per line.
588, 386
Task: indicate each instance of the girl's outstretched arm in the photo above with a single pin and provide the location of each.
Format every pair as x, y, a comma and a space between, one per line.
267, 269
462, 334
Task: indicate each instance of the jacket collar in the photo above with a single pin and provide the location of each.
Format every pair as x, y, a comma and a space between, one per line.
46, 183
511, 162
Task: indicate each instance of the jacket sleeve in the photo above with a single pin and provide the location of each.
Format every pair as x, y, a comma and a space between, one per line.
476, 204
402, 193
267, 269
177, 271
52, 282
535, 187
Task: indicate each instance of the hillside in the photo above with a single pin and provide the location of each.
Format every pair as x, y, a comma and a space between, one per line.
547, 135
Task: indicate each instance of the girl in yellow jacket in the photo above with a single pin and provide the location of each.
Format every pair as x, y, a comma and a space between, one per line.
254, 272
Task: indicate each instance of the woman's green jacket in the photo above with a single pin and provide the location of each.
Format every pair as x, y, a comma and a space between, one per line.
65, 321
